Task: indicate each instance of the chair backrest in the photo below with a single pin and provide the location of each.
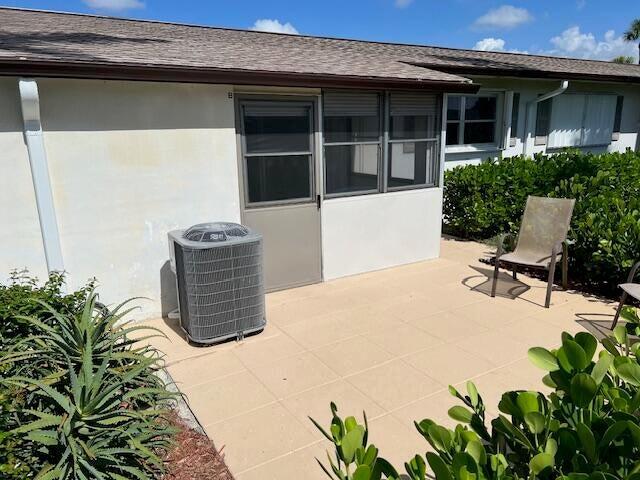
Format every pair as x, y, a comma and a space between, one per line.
545, 223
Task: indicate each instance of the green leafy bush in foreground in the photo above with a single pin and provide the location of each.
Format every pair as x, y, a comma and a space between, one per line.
84, 400
483, 200
588, 428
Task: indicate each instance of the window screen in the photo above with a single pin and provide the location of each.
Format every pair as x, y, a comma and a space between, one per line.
414, 122
352, 141
277, 150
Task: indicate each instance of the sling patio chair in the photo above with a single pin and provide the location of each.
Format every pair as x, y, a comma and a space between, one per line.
541, 242
629, 289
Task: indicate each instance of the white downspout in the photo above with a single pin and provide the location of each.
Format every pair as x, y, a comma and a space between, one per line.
30, 103
553, 93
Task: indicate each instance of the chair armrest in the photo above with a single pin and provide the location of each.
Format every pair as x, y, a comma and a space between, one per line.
632, 272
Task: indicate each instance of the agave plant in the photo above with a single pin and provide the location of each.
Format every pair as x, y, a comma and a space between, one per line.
93, 406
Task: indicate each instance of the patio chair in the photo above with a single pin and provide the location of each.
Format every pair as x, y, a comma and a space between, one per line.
542, 240
628, 289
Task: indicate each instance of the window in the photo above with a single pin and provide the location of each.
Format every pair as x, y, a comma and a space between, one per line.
515, 113
352, 141
471, 119
579, 120
278, 150
413, 152
618, 118
543, 117
359, 126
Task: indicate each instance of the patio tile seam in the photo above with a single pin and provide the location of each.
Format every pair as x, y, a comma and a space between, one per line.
394, 410
238, 415
182, 386
279, 457
346, 379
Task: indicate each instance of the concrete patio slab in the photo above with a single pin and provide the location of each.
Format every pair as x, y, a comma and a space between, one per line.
387, 342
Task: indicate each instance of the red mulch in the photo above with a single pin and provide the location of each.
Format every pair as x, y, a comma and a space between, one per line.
193, 457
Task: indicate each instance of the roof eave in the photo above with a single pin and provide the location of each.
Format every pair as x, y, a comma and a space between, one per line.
530, 73
163, 73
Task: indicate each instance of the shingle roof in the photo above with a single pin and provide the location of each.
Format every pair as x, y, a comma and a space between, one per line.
35, 41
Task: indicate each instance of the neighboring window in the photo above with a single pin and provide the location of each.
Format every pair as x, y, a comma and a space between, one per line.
543, 119
278, 150
471, 119
413, 139
579, 120
515, 114
618, 118
352, 141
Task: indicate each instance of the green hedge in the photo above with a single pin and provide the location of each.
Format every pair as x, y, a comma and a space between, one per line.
483, 200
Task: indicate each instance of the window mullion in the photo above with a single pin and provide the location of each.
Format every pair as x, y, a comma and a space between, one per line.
384, 150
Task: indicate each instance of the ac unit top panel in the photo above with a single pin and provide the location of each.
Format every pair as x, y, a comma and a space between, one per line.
211, 235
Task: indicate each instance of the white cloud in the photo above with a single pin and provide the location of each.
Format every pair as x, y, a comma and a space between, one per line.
114, 5
402, 3
574, 43
490, 45
506, 16
274, 26
580, 4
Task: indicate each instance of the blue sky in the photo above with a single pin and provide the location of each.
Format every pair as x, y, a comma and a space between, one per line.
577, 28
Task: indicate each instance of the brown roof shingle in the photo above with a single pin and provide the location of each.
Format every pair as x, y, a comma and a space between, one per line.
34, 42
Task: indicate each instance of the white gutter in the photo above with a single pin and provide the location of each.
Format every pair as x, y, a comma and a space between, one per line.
553, 93
30, 103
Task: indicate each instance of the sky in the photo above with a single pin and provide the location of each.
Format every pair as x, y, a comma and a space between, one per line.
574, 28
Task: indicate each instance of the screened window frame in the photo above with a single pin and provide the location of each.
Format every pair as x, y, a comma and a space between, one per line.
265, 100
462, 121
384, 150
379, 143
435, 167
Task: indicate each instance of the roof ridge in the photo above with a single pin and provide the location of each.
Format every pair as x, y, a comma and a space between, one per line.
246, 30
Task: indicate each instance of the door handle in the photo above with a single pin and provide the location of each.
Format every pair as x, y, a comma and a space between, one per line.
318, 202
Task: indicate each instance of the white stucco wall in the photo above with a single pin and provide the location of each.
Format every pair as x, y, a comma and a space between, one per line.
128, 161
529, 91
371, 232
20, 239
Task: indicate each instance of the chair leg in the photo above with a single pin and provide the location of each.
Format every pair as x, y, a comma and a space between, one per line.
495, 278
623, 300
552, 272
515, 271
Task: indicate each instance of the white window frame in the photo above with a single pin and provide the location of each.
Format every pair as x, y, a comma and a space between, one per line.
460, 146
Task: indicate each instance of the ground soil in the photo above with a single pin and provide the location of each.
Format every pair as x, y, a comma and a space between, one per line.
194, 457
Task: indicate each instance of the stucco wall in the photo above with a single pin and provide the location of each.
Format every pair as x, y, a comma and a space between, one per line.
529, 91
130, 161
20, 240
371, 232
